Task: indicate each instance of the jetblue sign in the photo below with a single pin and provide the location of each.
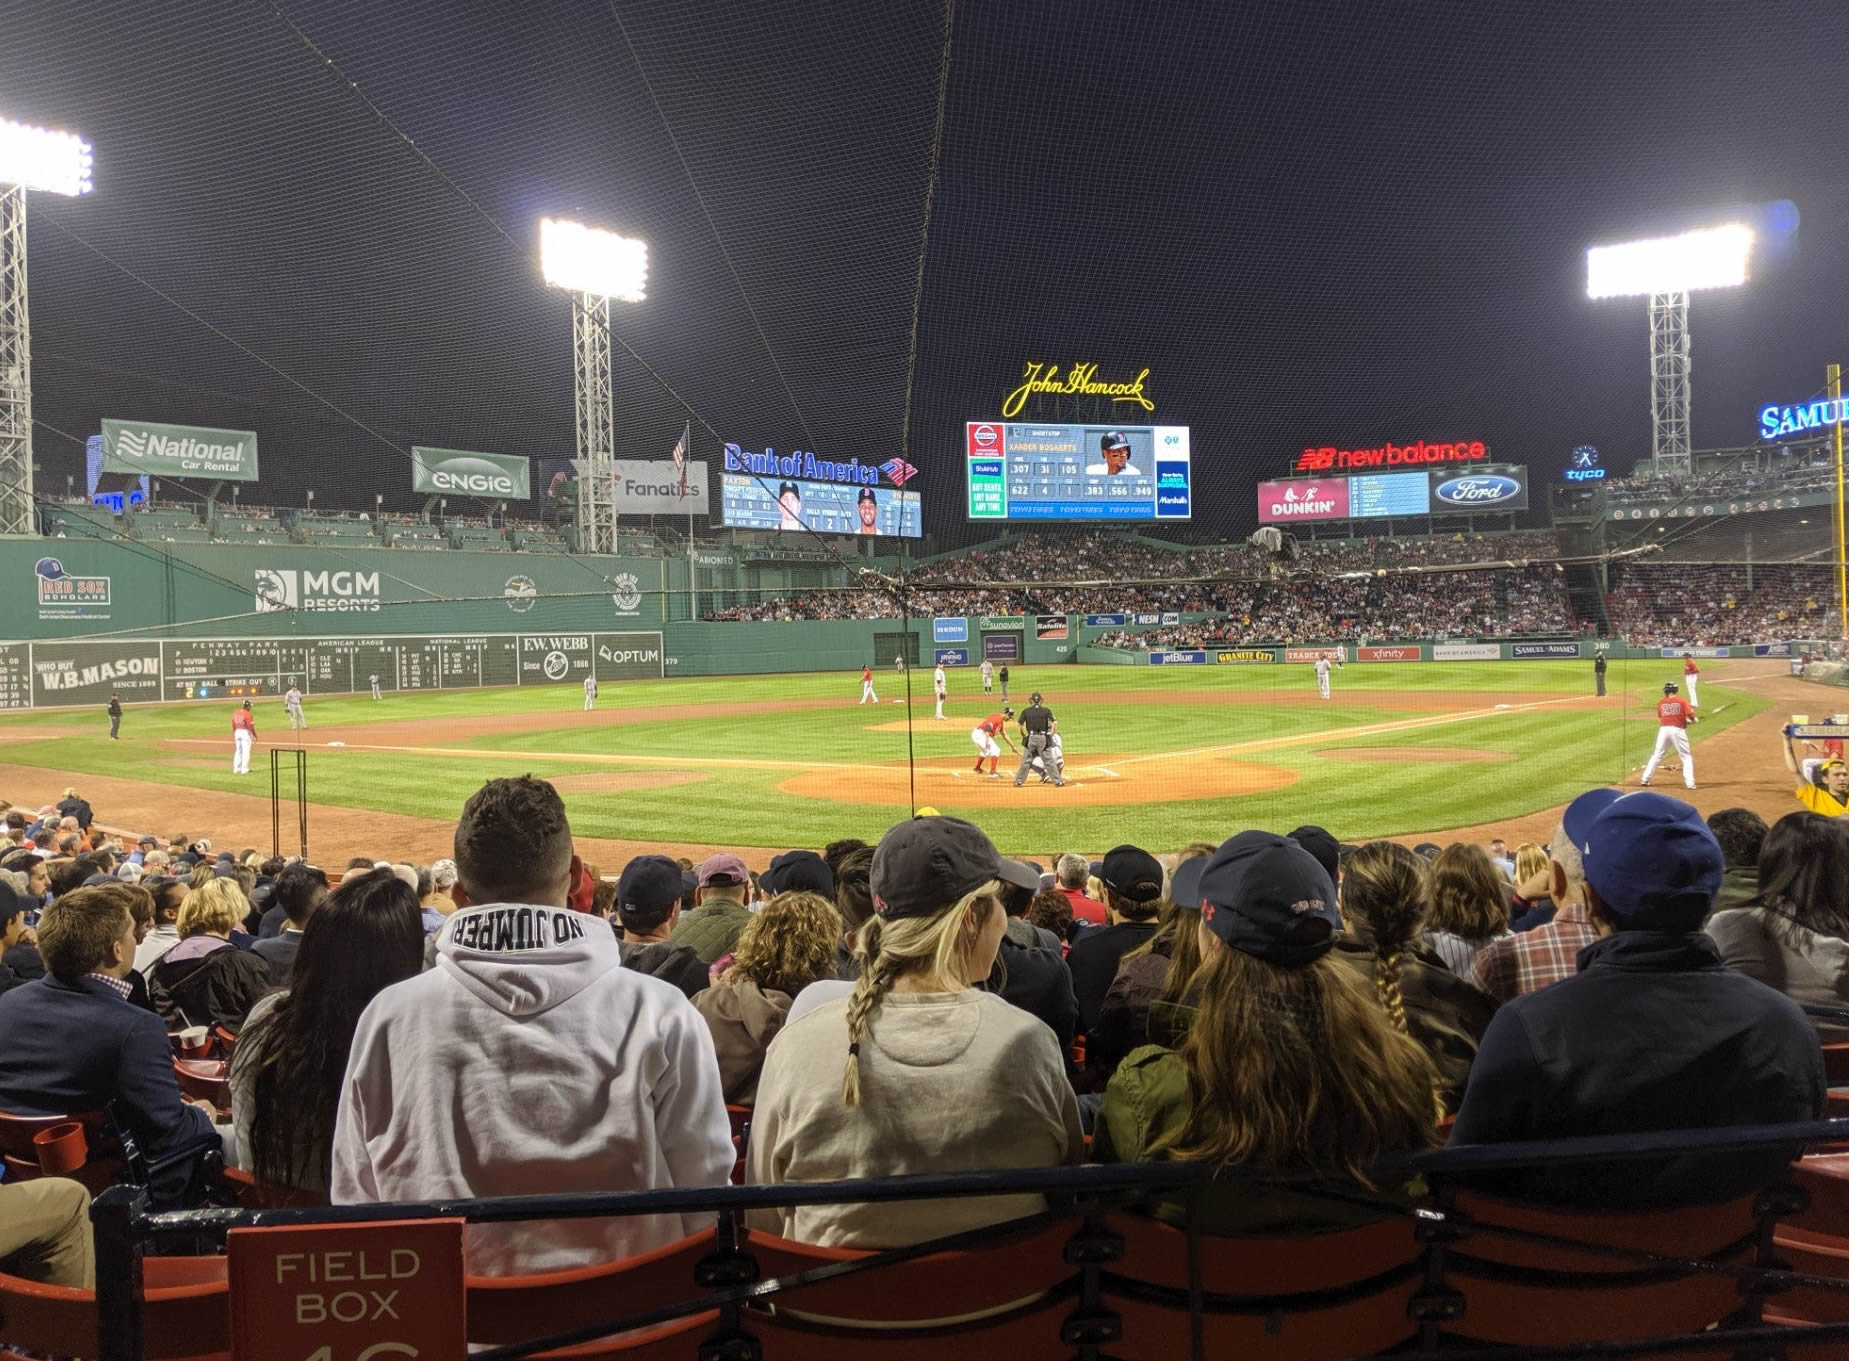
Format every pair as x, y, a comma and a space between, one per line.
1775, 422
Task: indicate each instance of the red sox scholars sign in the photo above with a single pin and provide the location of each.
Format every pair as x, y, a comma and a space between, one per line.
351, 1292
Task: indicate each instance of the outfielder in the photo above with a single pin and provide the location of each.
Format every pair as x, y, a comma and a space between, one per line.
866, 686
1675, 714
292, 705
243, 733
1691, 677
984, 735
940, 684
374, 678
1038, 728
1322, 677
590, 693
988, 675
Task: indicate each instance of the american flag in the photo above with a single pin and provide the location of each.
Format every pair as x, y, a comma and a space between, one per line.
899, 471
680, 450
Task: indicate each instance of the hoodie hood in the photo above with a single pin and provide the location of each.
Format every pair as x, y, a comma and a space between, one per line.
524, 960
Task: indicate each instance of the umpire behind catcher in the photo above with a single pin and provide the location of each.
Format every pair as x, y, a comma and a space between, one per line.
1037, 728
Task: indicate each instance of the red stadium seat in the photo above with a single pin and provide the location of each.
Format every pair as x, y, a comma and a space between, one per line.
1341, 1293
506, 1309
1815, 1241
1554, 1294
21, 1156
187, 1314
204, 1080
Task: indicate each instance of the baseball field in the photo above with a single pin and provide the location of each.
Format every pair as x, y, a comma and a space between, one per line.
1157, 755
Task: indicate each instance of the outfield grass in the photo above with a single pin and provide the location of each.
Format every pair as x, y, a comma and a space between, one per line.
1557, 751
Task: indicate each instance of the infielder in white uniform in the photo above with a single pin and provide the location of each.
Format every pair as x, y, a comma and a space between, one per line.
1322, 677
940, 684
292, 705
988, 675
1675, 714
590, 693
375, 687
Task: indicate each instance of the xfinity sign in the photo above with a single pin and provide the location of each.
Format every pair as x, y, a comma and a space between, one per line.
441, 472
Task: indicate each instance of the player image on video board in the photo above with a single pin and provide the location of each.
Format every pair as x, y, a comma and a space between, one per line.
792, 505
1114, 457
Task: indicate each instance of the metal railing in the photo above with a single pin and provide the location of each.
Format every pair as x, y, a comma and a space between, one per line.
729, 1282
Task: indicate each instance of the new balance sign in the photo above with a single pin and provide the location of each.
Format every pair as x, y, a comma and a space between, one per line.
499, 477
148, 448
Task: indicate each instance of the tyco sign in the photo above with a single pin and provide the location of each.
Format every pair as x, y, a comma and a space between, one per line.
356, 1292
149, 448
443, 472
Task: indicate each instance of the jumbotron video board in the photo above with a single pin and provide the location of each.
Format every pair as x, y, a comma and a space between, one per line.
1078, 472
799, 491
1368, 496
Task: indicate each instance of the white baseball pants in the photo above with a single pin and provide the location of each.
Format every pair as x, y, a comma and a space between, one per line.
1667, 737
866, 693
1690, 681
240, 752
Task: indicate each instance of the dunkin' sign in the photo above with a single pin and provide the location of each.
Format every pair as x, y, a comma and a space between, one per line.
1311, 499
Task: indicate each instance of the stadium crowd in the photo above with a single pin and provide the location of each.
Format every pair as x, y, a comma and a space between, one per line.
1651, 604
512, 1021
1786, 478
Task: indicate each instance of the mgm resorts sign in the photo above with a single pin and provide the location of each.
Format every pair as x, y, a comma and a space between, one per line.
441, 472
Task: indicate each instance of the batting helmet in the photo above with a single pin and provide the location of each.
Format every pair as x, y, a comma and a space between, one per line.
1034, 698
1670, 687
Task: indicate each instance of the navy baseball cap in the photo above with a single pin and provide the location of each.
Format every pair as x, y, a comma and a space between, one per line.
651, 884
1132, 872
1114, 439
1265, 895
1319, 843
1184, 886
866, 494
11, 904
797, 872
1653, 863
1580, 814
923, 865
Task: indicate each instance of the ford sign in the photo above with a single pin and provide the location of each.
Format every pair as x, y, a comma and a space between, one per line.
1481, 492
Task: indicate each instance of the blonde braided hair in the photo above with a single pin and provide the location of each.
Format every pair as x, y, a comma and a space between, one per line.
889, 950
1387, 889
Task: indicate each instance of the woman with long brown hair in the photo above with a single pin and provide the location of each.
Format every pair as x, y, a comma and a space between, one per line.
1151, 981
788, 944
1290, 1062
916, 1071
1470, 906
1386, 896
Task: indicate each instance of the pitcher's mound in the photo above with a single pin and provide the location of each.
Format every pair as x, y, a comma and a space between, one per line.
950, 783
1444, 755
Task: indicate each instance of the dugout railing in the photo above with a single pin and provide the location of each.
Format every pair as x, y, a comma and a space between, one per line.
1450, 1272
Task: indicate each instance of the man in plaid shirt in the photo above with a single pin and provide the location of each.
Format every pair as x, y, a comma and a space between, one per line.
1514, 965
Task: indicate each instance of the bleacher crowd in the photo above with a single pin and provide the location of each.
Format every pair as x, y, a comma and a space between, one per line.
512, 1021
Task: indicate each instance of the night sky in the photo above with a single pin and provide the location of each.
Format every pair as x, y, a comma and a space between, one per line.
1315, 223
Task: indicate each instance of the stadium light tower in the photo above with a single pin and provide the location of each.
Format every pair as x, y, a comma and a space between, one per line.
1666, 270
51, 163
593, 266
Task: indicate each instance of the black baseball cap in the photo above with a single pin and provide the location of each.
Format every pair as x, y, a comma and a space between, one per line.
11, 904
1132, 872
783, 487
1319, 843
1113, 439
651, 884
1184, 885
1265, 895
797, 872
923, 865
866, 494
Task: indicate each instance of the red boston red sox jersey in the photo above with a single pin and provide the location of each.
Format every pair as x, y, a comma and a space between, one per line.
1673, 712
866, 674
242, 718
993, 724
1689, 668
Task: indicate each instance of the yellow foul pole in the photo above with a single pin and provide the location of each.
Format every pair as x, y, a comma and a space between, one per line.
1833, 375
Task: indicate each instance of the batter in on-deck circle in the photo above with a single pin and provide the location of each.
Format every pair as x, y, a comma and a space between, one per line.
866, 685
1322, 677
1674, 714
292, 705
985, 735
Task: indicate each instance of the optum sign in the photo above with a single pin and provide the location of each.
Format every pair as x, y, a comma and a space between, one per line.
441, 472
